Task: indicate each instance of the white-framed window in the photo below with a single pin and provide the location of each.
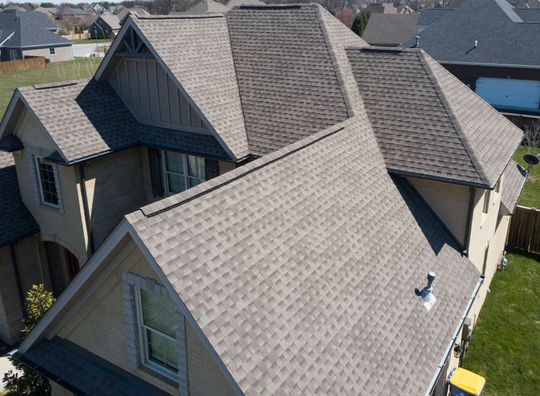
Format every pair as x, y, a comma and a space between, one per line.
49, 188
52, 51
156, 318
182, 171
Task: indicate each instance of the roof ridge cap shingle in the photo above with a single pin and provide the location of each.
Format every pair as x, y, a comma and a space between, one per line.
333, 57
422, 57
177, 200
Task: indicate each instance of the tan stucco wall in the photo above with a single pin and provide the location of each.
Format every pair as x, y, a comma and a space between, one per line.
115, 185
31, 271
99, 328
61, 53
449, 201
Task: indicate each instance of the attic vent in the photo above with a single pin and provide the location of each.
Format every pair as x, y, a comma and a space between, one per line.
55, 85
426, 292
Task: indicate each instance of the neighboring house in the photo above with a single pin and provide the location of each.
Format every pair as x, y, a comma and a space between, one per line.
390, 29
124, 12
293, 270
49, 11
211, 6
26, 34
493, 48
70, 13
106, 26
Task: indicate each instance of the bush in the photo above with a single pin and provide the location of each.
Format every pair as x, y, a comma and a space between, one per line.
27, 382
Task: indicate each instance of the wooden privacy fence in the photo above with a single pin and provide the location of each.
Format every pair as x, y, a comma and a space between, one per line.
525, 230
22, 64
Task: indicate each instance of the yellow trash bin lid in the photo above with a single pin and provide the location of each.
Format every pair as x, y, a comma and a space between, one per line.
468, 381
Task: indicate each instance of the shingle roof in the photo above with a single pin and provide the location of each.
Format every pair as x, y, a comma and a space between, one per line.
205, 70
31, 29
427, 122
111, 20
84, 373
16, 222
390, 29
288, 84
302, 281
514, 178
87, 118
502, 36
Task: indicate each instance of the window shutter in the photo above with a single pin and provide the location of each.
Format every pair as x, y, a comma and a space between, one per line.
154, 158
212, 168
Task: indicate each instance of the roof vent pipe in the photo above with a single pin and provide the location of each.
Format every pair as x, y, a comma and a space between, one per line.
417, 41
426, 294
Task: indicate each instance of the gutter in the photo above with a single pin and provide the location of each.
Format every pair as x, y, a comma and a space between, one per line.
454, 337
82, 181
507, 65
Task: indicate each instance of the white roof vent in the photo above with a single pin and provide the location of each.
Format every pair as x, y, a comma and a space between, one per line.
426, 292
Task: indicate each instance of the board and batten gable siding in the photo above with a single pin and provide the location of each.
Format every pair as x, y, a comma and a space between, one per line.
152, 96
99, 327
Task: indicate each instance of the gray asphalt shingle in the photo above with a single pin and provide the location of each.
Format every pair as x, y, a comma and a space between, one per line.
31, 29
514, 178
390, 29
450, 38
87, 118
16, 222
427, 122
289, 265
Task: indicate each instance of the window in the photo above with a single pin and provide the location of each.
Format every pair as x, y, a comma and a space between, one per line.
182, 171
52, 51
156, 316
487, 198
48, 182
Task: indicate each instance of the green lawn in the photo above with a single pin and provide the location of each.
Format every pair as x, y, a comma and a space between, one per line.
90, 41
53, 72
505, 344
531, 193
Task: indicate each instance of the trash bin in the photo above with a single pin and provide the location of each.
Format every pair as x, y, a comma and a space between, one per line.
465, 383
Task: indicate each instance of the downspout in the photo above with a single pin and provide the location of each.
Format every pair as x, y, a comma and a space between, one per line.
442, 363
82, 181
468, 226
17, 275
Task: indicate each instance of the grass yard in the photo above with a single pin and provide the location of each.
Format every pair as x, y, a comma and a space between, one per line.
53, 72
531, 192
505, 344
91, 41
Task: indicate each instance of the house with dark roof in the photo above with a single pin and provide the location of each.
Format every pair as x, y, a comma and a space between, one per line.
390, 30
29, 34
492, 47
228, 217
106, 25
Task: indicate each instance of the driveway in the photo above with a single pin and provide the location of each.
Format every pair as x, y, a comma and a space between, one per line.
85, 50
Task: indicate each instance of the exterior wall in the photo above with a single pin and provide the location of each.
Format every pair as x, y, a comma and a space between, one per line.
61, 53
115, 185
98, 327
32, 270
152, 96
449, 201
205, 379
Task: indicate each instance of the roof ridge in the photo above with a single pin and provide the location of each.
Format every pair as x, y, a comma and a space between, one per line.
422, 57
333, 58
184, 197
